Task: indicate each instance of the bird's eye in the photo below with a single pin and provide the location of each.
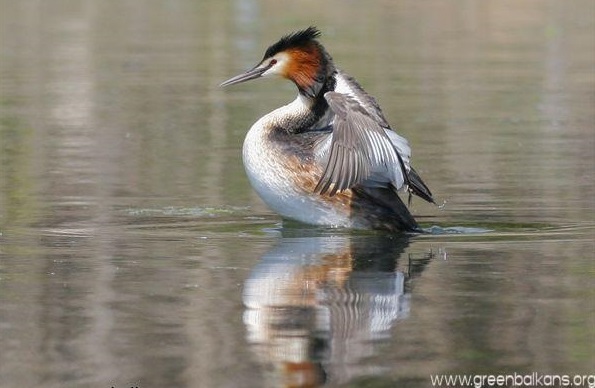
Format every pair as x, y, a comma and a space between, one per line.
272, 62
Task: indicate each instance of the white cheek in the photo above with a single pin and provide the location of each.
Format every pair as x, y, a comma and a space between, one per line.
278, 68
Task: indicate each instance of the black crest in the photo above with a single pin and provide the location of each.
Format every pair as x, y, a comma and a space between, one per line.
295, 39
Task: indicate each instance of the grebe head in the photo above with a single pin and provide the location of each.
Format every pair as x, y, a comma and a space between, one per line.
298, 57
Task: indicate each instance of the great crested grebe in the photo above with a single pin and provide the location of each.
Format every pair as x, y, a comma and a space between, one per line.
328, 158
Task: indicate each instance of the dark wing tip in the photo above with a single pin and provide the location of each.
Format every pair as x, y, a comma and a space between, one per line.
418, 187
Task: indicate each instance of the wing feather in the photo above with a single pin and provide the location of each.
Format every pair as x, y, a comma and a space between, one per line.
359, 150
363, 150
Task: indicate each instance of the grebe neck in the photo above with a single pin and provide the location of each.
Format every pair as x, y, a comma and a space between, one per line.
306, 112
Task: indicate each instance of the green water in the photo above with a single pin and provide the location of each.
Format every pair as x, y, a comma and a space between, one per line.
133, 251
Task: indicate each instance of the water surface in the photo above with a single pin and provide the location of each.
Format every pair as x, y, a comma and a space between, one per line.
133, 251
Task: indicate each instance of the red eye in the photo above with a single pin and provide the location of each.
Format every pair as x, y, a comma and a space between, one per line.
272, 62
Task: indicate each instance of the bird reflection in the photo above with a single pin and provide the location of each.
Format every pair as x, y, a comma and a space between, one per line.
317, 306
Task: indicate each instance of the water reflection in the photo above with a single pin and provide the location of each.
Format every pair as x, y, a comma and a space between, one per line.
127, 225
317, 307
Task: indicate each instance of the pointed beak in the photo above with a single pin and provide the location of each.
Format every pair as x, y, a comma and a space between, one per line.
247, 76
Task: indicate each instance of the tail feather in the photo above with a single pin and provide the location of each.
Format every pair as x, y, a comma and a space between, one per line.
389, 209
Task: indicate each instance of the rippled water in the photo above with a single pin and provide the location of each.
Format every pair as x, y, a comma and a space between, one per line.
134, 253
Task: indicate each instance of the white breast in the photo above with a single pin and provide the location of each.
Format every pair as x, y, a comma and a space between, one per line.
273, 179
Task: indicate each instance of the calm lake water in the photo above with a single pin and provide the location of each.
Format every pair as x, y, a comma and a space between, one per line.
133, 252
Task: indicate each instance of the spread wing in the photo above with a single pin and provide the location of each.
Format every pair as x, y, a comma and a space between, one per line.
360, 150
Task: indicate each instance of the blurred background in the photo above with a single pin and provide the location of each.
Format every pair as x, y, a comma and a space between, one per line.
133, 251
